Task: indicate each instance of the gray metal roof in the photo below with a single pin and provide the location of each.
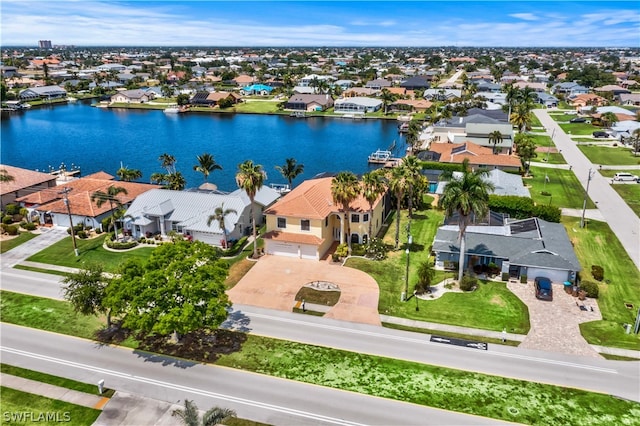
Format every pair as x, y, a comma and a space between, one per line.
504, 183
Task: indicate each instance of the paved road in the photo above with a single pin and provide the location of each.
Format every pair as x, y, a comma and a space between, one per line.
622, 220
262, 398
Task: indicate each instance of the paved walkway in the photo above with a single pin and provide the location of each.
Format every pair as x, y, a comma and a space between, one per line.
53, 392
593, 214
18, 254
127, 409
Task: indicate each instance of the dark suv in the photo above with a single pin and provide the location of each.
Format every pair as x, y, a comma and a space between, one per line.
578, 120
544, 291
600, 134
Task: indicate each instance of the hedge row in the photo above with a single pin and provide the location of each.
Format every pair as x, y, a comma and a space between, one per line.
523, 207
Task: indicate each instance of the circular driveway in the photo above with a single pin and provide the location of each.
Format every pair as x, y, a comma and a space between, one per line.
275, 280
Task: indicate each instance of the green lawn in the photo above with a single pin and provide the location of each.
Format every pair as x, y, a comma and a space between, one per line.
578, 128
258, 107
7, 245
16, 403
563, 185
544, 141
562, 117
491, 306
622, 282
609, 156
631, 195
534, 121
54, 380
91, 251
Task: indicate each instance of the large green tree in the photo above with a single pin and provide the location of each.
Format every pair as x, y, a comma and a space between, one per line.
178, 290
111, 196
250, 178
290, 170
345, 188
85, 290
526, 150
387, 99
466, 196
206, 165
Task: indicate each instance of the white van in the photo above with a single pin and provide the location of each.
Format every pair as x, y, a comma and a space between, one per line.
625, 176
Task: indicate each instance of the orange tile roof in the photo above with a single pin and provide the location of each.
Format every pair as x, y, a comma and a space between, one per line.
290, 237
475, 153
312, 199
22, 178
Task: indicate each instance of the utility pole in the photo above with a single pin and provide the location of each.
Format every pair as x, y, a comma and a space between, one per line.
586, 194
64, 192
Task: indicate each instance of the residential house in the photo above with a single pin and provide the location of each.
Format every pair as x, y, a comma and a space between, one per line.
213, 98
417, 82
522, 248
160, 211
359, 105
537, 87
24, 182
478, 156
378, 84
112, 67
568, 89
135, 96
256, 89
587, 99
305, 223
49, 204
503, 183
311, 102
361, 91
547, 100
479, 133
441, 94
629, 99
611, 88
410, 105
489, 87
42, 92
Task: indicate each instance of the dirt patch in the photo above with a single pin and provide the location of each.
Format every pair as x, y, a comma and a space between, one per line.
497, 300
598, 240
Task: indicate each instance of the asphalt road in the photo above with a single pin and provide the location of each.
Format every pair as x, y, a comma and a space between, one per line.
254, 396
622, 220
620, 378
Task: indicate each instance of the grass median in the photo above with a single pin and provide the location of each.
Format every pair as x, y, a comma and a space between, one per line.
563, 185
23, 237
610, 156
463, 391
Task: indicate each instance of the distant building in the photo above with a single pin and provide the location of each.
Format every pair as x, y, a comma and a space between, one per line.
44, 44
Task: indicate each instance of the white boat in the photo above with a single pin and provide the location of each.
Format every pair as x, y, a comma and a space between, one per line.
379, 157
70, 99
172, 109
281, 188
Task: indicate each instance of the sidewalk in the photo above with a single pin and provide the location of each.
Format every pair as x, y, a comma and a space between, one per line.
54, 392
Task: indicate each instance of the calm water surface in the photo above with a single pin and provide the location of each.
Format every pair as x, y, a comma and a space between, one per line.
99, 139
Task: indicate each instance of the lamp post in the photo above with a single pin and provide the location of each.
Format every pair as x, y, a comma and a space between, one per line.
406, 275
415, 295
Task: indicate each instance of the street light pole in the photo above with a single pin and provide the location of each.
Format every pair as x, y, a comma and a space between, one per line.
64, 192
406, 275
584, 203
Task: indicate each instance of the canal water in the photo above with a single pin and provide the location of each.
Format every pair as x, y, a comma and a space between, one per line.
101, 139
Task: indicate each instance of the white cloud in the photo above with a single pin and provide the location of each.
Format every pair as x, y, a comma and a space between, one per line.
525, 16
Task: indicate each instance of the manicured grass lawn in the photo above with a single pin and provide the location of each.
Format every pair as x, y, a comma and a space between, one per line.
91, 251
473, 393
542, 140
578, 128
563, 185
621, 282
562, 117
631, 195
614, 156
54, 380
491, 306
15, 403
7, 245
258, 107
534, 121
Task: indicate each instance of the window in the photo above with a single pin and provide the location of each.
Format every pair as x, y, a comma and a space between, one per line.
326, 221
365, 217
282, 222
355, 218
304, 224
355, 239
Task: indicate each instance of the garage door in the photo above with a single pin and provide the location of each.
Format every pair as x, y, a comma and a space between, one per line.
308, 252
554, 275
281, 249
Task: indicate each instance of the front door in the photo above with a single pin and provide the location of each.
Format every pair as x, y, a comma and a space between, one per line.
514, 271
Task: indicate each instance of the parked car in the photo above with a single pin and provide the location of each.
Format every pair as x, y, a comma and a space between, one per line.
578, 120
625, 177
600, 134
544, 291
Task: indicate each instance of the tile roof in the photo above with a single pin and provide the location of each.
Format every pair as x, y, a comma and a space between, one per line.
22, 178
457, 152
293, 238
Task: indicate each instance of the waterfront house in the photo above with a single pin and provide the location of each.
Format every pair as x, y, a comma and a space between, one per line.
479, 156
410, 105
42, 92
359, 105
309, 102
529, 247
24, 182
256, 89
306, 223
160, 211
135, 96
503, 183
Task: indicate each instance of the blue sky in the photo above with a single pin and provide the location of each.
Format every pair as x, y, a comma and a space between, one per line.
320, 23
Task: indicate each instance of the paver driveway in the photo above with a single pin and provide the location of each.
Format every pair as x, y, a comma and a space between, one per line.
275, 280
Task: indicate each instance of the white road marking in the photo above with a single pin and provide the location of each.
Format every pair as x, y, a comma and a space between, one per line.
174, 386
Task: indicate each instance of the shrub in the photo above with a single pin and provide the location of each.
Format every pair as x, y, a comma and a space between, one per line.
98, 231
548, 213
493, 269
7, 220
29, 226
342, 250
120, 246
10, 229
468, 283
376, 249
590, 288
545, 193
12, 209
335, 257
523, 279
76, 229
82, 235
597, 272
505, 276
357, 249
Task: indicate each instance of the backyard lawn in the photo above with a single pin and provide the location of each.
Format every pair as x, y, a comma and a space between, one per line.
621, 283
579, 128
6, 245
543, 142
563, 185
609, 156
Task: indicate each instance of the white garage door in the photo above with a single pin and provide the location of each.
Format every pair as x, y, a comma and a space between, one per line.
303, 251
308, 252
554, 275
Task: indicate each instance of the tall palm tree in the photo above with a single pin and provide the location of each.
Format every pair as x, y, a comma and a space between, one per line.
219, 215
416, 181
413, 135
128, 175
110, 196
521, 118
206, 165
290, 170
466, 196
512, 97
399, 184
176, 181
373, 186
495, 138
250, 178
5, 176
168, 162
345, 188
189, 415
387, 99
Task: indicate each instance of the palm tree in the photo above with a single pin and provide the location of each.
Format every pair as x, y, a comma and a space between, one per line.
521, 118
128, 175
398, 183
635, 140
526, 150
176, 181
416, 181
413, 135
206, 164
290, 170
168, 162
387, 98
250, 178
466, 196
373, 187
189, 415
608, 118
219, 215
100, 197
345, 188
5, 176
495, 138
512, 97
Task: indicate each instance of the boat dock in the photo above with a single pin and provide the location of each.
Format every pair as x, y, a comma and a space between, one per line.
383, 157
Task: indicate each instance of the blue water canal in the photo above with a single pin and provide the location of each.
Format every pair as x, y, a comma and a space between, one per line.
100, 139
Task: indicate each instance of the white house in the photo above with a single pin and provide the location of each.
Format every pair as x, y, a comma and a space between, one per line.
357, 104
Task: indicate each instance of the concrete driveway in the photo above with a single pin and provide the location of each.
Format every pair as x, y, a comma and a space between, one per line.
275, 280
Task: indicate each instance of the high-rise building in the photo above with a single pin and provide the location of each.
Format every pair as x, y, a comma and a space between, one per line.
44, 44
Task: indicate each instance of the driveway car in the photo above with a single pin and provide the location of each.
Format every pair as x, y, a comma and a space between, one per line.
578, 120
600, 134
625, 177
544, 291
